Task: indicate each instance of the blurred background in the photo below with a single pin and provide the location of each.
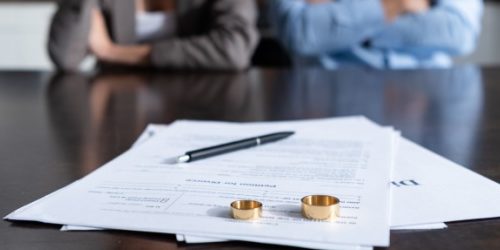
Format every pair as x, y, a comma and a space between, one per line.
24, 24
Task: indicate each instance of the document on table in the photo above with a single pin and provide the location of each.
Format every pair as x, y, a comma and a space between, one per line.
426, 189
421, 177
137, 191
400, 176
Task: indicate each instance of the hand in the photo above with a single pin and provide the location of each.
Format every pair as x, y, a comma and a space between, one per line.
106, 50
99, 41
317, 1
395, 8
415, 6
392, 8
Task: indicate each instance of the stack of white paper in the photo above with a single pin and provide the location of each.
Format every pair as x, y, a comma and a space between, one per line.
351, 158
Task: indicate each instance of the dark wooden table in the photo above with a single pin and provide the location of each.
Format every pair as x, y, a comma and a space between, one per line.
55, 129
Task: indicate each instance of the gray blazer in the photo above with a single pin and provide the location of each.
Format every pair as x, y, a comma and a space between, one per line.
212, 34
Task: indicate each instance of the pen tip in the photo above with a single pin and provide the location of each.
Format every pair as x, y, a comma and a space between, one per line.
176, 159
171, 160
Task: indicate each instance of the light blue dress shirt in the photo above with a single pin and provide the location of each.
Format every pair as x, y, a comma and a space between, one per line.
354, 32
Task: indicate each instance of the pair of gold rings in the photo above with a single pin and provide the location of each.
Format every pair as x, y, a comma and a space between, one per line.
314, 207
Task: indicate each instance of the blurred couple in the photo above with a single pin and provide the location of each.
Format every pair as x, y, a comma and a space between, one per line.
223, 34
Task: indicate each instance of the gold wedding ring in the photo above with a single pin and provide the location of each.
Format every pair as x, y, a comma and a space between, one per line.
246, 210
320, 207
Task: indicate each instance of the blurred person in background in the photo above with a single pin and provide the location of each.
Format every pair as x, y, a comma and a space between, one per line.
377, 33
166, 34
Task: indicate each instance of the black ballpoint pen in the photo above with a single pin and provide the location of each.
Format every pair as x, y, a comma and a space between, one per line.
230, 147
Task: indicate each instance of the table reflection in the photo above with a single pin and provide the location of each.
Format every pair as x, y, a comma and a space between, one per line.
91, 112
440, 109
96, 117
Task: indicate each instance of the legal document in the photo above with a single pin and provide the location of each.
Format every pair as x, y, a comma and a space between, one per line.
420, 177
138, 191
426, 189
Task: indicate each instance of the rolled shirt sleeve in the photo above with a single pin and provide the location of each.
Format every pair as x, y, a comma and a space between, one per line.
313, 29
451, 27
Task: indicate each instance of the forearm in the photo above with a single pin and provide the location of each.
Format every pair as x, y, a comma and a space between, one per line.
135, 55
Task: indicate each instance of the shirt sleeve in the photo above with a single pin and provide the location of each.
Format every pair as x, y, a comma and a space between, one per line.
451, 26
314, 29
68, 34
227, 45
